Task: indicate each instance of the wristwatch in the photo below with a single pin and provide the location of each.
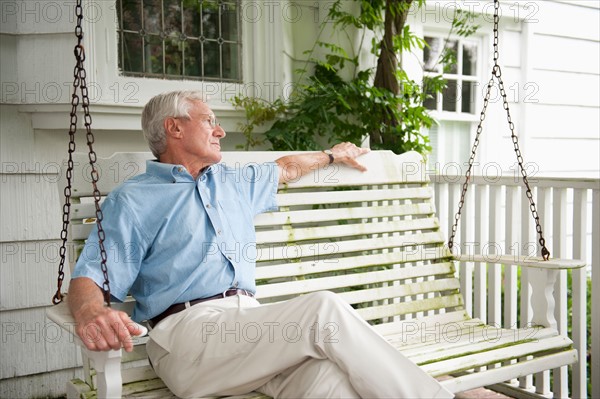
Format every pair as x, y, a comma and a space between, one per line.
330, 153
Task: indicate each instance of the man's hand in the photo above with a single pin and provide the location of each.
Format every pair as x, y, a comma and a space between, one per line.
100, 328
346, 153
291, 167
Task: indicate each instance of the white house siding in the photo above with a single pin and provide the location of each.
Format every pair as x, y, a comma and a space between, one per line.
28, 249
559, 53
30, 345
565, 64
551, 72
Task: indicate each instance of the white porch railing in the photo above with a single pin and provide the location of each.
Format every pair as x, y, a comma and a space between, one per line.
497, 210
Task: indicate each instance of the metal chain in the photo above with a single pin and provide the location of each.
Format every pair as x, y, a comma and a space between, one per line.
497, 74
58, 296
80, 82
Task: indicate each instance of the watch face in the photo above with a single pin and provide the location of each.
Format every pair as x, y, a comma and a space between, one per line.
328, 152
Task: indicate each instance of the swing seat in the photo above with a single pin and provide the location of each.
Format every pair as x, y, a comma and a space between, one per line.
374, 239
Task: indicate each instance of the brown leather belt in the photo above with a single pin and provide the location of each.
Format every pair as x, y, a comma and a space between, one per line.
178, 307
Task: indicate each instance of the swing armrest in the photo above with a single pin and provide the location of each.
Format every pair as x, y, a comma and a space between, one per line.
61, 315
524, 261
106, 363
541, 277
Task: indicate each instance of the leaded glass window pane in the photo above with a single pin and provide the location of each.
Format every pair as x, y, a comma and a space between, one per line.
180, 39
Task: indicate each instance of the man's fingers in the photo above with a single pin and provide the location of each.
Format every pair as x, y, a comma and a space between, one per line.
90, 335
110, 330
137, 329
123, 325
354, 164
349, 152
96, 336
360, 167
134, 328
116, 333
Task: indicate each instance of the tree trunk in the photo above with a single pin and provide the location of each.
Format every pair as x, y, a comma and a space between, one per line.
387, 63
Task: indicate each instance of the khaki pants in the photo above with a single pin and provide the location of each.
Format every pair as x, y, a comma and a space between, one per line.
313, 346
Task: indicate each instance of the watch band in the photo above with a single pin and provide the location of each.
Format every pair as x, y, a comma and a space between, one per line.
330, 154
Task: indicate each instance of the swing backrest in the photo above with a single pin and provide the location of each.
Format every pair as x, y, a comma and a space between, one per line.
372, 237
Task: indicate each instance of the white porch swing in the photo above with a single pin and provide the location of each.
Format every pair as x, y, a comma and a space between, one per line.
391, 261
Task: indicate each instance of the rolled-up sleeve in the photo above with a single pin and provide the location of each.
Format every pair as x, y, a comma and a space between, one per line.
260, 186
125, 246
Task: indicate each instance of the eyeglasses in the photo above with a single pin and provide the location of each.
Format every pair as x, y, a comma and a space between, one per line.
212, 119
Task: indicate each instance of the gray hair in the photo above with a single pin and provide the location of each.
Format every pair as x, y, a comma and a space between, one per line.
174, 104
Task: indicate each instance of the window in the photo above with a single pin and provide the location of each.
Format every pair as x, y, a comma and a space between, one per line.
458, 62
180, 39
459, 71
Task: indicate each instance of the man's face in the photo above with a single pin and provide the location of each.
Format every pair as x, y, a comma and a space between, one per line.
200, 138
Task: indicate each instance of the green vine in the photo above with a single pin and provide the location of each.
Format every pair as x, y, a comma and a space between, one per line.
383, 103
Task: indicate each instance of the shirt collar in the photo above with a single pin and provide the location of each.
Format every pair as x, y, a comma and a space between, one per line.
173, 173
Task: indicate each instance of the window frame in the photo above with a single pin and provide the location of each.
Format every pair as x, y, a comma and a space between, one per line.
482, 41
441, 114
237, 41
260, 36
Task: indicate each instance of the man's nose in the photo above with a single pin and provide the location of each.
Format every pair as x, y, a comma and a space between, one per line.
219, 132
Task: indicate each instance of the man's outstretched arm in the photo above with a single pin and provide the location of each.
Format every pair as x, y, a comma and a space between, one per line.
291, 167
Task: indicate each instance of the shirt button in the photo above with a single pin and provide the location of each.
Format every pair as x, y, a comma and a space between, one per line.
219, 232
229, 257
235, 284
208, 205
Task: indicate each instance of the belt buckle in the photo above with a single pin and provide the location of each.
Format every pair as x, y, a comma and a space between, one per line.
224, 293
236, 291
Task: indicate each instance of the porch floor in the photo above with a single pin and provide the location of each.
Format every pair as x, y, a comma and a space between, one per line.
481, 393
477, 393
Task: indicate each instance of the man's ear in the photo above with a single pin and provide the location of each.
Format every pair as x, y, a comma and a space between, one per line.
172, 127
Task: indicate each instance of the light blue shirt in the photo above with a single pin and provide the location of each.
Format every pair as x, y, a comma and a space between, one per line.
171, 239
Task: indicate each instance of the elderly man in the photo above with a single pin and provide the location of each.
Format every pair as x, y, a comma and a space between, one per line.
171, 231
